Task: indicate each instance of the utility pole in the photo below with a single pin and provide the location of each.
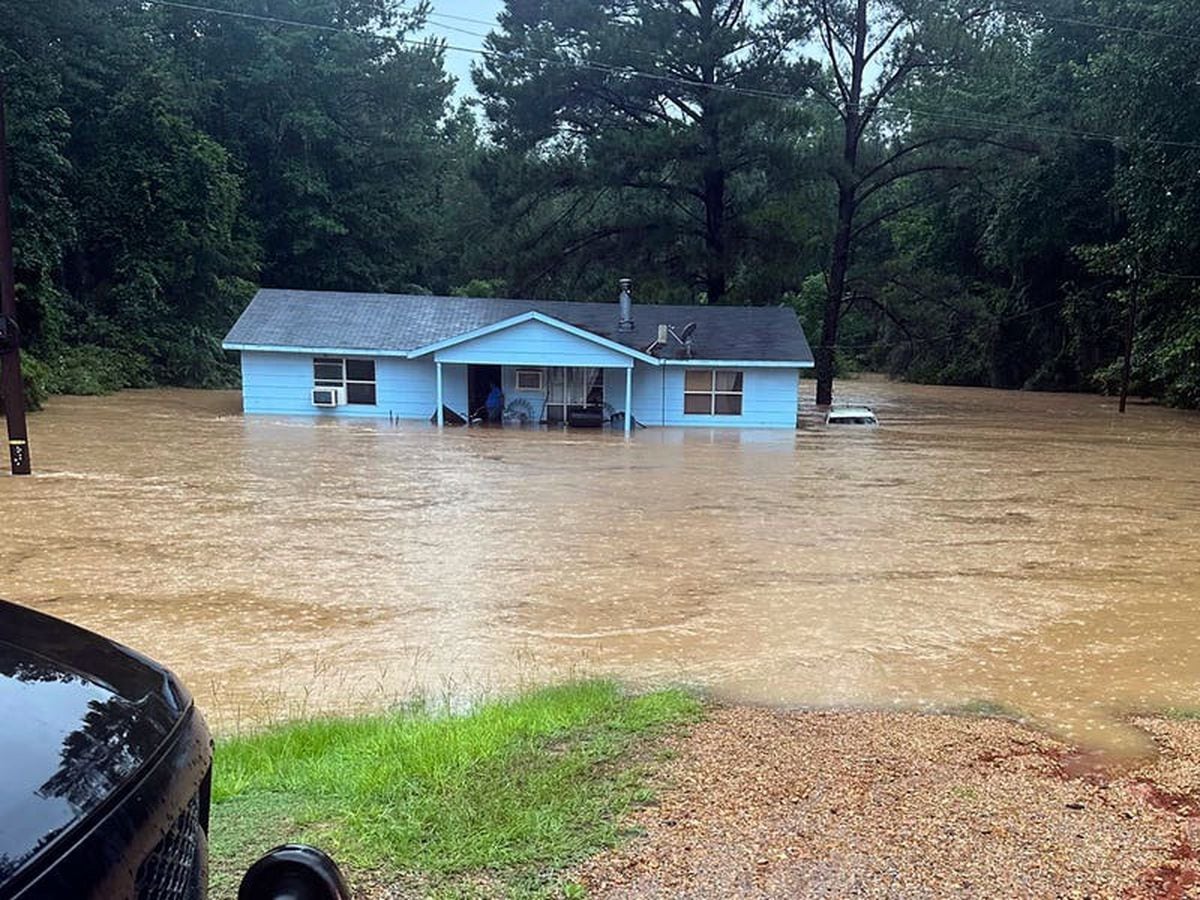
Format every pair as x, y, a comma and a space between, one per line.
1130, 318
11, 386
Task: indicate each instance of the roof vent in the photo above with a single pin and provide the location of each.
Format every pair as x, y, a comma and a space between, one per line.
626, 302
660, 341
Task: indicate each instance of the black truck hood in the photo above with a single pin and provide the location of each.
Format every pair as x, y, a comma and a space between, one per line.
79, 717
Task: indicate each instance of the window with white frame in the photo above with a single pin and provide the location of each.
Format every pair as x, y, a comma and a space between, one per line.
712, 392
531, 380
356, 376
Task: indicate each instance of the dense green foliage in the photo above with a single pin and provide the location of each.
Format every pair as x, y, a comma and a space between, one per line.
1004, 186
164, 161
509, 792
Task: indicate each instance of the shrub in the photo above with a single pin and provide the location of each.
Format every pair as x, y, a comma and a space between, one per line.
90, 370
37, 377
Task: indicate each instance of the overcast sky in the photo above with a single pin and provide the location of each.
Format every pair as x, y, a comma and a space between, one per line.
459, 64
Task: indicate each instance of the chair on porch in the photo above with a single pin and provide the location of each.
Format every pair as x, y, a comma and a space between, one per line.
519, 411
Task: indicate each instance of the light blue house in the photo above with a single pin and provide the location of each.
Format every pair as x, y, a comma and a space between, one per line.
418, 357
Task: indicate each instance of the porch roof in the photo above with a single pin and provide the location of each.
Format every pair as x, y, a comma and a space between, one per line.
533, 338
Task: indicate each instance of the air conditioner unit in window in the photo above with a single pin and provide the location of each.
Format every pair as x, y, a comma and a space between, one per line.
328, 397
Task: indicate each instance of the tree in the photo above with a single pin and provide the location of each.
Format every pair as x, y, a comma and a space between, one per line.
340, 134
1042, 253
164, 255
996, 176
1141, 86
44, 220
870, 50
651, 127
165, 157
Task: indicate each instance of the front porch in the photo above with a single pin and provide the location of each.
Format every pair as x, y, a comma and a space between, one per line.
548, 368
550, 395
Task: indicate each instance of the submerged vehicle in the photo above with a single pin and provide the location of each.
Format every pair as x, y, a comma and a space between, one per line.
106, 777
852, 415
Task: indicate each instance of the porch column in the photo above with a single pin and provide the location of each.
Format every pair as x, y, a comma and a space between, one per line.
441, 416
628, 399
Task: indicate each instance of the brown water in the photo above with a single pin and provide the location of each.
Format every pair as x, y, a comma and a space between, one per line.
1032, 550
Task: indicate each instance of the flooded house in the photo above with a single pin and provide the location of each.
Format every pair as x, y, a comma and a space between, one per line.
400, 356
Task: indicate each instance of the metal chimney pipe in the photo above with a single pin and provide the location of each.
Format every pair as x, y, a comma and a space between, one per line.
626, 303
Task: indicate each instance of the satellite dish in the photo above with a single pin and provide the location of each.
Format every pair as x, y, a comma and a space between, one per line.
684, 336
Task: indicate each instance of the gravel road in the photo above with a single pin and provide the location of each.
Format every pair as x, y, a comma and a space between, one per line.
763, 803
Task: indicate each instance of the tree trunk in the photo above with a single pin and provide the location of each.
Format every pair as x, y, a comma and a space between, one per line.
715, 274
839, 264
847, 182
1127, 364
714, 234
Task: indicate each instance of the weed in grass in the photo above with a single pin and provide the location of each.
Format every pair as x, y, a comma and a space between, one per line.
527, 785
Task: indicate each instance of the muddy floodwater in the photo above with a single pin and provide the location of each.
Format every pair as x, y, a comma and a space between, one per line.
1030, 550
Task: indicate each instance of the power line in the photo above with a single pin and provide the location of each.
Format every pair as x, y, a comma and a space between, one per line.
1126, 29
1000, 320
458, 30
493, 23
603, 68
973, 115
455, 18
975, 120
947, 116
1045, 17
949, 335
273, 20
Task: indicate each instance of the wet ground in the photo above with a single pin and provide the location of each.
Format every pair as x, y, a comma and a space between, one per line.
1031, 550
758, 803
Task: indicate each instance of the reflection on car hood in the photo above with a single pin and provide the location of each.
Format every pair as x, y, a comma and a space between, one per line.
79, 716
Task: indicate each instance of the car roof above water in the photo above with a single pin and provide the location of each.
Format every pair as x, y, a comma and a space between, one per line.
851, 412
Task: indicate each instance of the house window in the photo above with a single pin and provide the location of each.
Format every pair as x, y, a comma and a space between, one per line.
531, 380
356, 376
712, 392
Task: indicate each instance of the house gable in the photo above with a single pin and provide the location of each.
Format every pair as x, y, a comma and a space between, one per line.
533, 339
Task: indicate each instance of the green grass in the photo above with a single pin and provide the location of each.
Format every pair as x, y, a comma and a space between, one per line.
988, 709
1182, 713
450, 805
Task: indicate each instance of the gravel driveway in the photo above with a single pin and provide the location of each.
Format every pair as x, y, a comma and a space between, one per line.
762, 803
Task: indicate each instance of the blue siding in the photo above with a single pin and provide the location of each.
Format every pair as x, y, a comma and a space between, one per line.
768, 398
648, 397
454, 389
280, 383
614, 387
532, 344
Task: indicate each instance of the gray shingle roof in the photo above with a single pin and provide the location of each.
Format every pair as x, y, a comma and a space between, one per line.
402, 322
